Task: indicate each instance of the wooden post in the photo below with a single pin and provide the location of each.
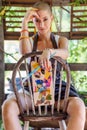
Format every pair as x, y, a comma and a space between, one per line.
1, 63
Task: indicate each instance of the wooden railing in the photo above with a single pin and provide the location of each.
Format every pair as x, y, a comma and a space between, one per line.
78, 22
73, 66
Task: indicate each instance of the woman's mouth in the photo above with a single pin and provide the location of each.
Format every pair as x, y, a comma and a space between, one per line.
42, 29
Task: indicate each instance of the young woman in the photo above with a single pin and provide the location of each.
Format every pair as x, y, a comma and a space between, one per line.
42, 17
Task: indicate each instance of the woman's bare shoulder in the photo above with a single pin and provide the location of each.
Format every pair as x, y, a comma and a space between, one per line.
63, 38
63, 42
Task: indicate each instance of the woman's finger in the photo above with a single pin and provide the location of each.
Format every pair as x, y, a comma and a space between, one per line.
34, 9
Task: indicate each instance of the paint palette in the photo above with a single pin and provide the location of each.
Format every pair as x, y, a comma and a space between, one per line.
42, 84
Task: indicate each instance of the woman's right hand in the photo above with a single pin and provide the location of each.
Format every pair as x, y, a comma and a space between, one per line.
30, 14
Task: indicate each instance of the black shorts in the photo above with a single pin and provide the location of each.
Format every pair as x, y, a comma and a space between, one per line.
72, 93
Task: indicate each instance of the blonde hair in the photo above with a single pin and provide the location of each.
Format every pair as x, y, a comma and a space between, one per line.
43, 6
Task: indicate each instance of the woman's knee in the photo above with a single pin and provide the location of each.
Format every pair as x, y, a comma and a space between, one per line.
76, 107
10, 106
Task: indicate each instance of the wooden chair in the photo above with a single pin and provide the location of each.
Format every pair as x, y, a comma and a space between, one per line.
46, 115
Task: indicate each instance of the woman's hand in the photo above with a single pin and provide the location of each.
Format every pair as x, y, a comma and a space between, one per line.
30, 14
44, 59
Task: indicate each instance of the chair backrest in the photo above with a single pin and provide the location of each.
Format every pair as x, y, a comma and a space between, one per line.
25, 75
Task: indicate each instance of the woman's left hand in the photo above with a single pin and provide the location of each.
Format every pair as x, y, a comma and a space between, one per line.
44, 59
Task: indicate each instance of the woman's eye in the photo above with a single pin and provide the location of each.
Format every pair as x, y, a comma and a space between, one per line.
45, 19
37, 20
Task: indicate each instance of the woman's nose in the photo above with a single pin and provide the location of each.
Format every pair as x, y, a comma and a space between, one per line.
41, 24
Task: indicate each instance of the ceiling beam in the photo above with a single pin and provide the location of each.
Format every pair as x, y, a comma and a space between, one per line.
28, 3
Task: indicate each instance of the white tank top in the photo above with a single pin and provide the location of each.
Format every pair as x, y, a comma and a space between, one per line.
56, 39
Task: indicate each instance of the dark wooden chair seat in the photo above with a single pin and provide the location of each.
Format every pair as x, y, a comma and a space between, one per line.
49, 116
46, 121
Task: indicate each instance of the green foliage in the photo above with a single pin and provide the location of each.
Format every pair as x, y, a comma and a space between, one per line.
83, 96
2, 12
78, 54
78, 51
78, 2
1, 125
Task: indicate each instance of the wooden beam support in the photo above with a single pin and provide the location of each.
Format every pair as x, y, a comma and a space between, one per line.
73, 66
78, 66
1, 63
16, 35
28, 3
31, 2
70, 35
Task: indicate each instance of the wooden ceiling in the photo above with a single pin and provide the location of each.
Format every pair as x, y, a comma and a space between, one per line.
30, 2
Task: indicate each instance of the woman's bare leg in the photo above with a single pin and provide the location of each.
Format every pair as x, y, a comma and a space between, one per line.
10, 112
77, 114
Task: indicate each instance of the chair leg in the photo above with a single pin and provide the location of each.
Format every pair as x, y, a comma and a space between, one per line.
62, 125
26, 125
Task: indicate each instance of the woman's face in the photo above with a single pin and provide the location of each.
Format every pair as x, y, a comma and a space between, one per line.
43, 23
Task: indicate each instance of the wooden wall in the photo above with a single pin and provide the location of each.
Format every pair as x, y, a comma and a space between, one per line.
1, 63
